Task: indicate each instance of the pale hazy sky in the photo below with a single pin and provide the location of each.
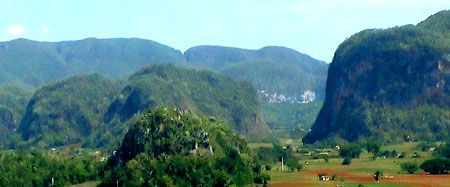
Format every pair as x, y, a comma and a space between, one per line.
314, 27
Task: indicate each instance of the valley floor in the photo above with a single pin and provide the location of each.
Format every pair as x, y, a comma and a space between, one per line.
360, 171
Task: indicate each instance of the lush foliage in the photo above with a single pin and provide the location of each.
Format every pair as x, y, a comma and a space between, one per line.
272, 69
291, 115
13, 101
168, 147
373, 146
410, 167
275, 69
350, 150
436, 166
293, 163
67, 111
347, 161
30, 64
34, 168
92, 110
443, 150
199, 92
390, 85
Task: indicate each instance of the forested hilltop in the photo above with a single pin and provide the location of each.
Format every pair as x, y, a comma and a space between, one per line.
271, 69
290, 84
95, 112
281, 75
31, 64
390, 85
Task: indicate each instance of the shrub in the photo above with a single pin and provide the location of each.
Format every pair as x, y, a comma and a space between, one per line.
347, 161
262, 179
293, 164
268, 167
409, 167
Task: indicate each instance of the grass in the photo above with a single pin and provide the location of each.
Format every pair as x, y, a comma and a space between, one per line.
87, 184
258, 145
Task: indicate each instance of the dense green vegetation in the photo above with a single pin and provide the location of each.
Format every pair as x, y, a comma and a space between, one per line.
36, 168
30, 64
436, 166
199, 92
390, 85
275, 69
385, 87
290, 115
272, 69
92, 110
168, 147
13, 101
409, 167
67, 111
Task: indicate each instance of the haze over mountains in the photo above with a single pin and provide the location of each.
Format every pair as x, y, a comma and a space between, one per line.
80, 105
30, 64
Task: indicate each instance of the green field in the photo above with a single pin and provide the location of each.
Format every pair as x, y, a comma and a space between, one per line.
360, 171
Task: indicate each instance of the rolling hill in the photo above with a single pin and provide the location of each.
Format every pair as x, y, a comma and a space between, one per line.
67, 111
30, 64
287, 80
97, 111
200, 92
273, 69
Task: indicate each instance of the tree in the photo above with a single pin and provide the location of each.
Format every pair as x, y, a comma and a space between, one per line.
409, 167
373, 146
436, 166
394, 153
293, 164
347, 161
443, 150
378, 175
350, 150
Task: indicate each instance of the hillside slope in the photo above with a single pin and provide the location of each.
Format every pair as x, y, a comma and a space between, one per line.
67, 111
13, 101
391, 85
273, 69
30, 63
200, 92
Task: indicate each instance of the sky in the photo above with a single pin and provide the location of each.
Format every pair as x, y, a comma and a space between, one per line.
313, 27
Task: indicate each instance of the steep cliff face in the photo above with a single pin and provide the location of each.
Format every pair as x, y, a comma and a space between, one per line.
390, 84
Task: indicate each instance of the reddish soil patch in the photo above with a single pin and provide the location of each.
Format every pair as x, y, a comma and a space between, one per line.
291, 184
419, 179
348, 175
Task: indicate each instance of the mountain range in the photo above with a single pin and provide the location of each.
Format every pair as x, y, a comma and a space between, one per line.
276, 72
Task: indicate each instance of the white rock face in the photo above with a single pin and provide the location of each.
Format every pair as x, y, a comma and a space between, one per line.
306, 97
